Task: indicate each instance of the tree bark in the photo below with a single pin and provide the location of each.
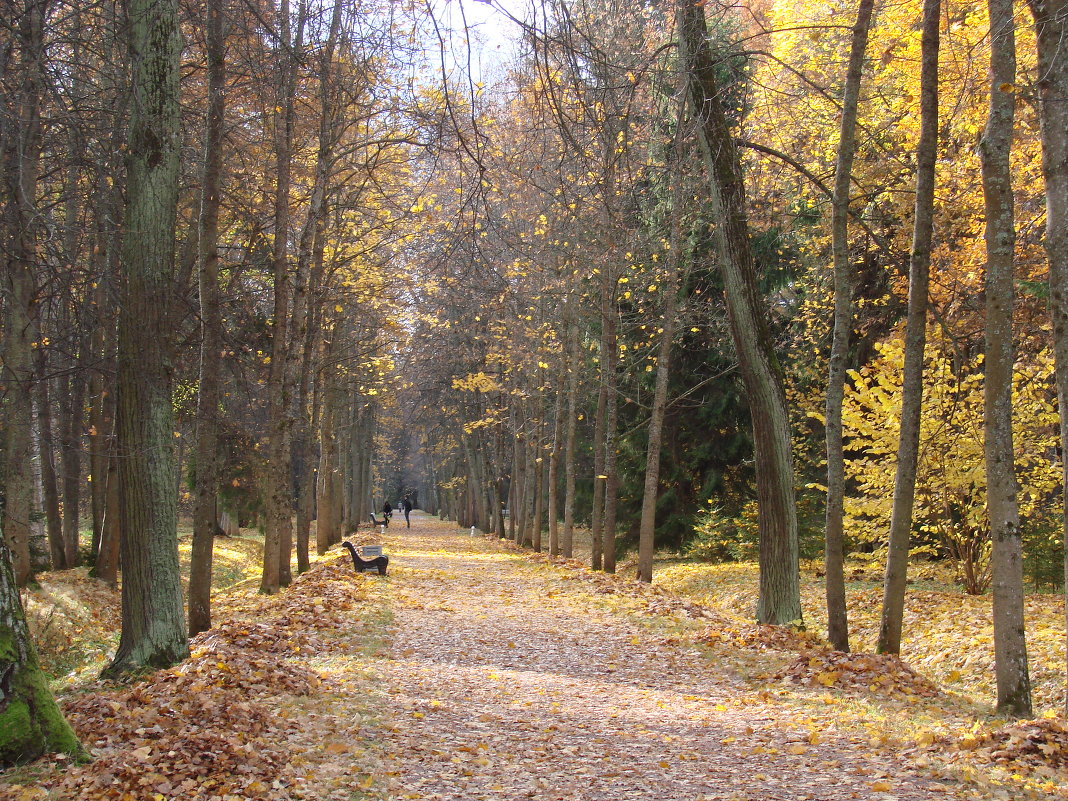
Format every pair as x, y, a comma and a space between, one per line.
31, 724
897, 556
153, 620
780, 594
834, 549
611, 469
574, 359
20, 150
72, 406
647, 526
206, 489
49, 486
278, 535
995, 147
1051, 28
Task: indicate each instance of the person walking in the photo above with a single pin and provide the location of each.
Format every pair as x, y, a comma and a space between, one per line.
406, 505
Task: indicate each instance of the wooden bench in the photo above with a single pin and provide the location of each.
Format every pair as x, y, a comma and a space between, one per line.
381, 523
367, 557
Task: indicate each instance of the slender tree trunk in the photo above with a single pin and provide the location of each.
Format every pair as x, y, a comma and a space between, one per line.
1010, 648
206, 490
49, 487
597, 512
554, 464
1051, 28
834, 550
611, 470
107, 558
325, 522
570, 439
73, 410
20, 151
536, 527
278, 536
530, 503
153, 620
647, 529
780, 593
897, 556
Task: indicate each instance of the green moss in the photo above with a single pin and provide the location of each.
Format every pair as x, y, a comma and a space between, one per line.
31, 723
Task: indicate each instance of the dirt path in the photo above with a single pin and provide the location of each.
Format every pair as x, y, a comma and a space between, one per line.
510, 679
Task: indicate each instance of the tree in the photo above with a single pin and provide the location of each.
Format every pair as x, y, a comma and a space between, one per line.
31, 723
995, 147
780, 594
837, 622
1051, 29
206, 491
153, 624
915, 340
23, 75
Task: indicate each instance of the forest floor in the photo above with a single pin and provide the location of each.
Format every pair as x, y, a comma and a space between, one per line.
479, 671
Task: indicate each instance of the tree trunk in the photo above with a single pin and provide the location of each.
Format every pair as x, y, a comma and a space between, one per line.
611, 469
897, 556
597, 512
20, 151
278, 534
153, 623
206, 489
554, 460
73, 407
647, 527
834, 550
780, 594
995, 147
49, 486
1051, 28
31, 724
574, 359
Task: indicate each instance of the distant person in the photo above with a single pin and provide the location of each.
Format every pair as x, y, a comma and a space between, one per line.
387, 511
406, 505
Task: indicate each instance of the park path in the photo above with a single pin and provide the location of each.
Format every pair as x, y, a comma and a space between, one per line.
509, 678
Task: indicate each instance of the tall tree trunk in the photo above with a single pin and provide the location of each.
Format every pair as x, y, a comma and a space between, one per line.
834, 550
206, 489
327, 484
567, 535
153, 620
20, 151
780, 593
647, 527
897, 556
1010, 648
49, 487
278, 535
107, 558
1051, 28
73, 410
554, 457
597, 511
611, 469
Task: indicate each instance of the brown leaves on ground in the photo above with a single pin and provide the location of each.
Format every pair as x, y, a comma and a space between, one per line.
212, 727
1033, 743
884, 674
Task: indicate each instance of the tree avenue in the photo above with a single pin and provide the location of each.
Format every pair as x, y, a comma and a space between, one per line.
694, 279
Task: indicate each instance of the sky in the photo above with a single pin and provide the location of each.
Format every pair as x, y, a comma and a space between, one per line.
491, 33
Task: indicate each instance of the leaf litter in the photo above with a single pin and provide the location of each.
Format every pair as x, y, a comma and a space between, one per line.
512, 675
